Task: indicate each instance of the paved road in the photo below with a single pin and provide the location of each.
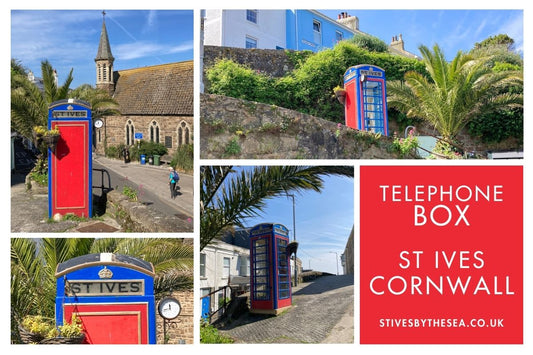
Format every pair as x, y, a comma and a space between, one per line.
320, 310
151, 184
29, 210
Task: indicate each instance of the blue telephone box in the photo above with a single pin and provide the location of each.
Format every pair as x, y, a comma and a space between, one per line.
270, 276
112, 295
365, 104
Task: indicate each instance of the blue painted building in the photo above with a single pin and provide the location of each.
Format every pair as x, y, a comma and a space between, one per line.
312, 30
277, 29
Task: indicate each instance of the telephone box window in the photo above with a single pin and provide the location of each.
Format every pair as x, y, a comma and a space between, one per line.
261, 284
283, 270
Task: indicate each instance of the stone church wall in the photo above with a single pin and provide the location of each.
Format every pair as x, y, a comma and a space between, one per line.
115, 129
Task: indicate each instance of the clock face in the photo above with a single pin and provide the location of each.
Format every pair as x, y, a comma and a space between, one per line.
169, 308
98, 123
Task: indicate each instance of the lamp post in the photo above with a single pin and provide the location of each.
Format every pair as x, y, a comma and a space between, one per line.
294, 239
336, 261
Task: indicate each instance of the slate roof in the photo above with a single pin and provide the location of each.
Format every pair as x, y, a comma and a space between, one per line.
104, 49
161, 90
239, 237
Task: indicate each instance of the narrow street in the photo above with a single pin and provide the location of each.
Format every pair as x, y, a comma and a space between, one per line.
322, 312
29, 210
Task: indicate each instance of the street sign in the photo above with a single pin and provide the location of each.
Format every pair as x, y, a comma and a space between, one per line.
138, 136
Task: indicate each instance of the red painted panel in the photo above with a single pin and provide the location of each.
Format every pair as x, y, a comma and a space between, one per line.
262, 304
70, 176
124, 323
350, 105
284, 302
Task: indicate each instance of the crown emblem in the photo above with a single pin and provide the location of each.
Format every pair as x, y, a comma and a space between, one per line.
70, 107
105, 273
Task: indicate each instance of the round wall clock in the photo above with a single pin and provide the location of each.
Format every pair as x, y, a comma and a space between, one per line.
169, 308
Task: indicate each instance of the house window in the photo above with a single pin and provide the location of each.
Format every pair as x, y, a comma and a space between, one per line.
154, 132
244, 269
317, 32
130, 133
251, 15
338, 36
250, 42
202, 265
225, 268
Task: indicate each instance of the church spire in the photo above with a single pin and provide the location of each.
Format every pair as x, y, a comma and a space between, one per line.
104, 61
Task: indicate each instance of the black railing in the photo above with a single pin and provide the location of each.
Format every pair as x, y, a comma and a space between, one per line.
104, 187
223, 306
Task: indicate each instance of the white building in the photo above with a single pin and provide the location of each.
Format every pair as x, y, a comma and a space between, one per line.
263, 29
223, 264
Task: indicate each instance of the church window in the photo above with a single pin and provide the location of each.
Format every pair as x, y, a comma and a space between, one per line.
184, 133
154, 132
130, 133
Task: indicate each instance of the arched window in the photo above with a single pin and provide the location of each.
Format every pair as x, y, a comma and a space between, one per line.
130, 133
154, 132
184, 133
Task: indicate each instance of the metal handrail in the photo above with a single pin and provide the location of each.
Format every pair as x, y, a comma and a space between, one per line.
224, 306
103, 187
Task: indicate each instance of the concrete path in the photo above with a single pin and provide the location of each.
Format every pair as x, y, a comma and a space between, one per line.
322, 312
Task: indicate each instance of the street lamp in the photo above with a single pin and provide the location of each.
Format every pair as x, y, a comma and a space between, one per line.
336, 260
294, 239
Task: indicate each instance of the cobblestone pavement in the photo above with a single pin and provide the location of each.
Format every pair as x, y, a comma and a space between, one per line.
318, 309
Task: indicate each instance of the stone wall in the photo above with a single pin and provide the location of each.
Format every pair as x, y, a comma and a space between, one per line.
181, 329
273, 62
136, 217
233, 128
169, 126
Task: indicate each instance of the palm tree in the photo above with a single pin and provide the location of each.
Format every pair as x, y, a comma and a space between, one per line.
102, 104
456, 91
227, 196
29, 106
34, 262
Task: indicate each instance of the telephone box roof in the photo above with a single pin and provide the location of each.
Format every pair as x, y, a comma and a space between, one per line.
89, 260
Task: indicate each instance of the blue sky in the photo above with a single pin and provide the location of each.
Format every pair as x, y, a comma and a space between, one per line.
323, 221
69, 39
452, 30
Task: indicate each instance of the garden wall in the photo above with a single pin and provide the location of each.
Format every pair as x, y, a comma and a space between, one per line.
234, 128
273, 62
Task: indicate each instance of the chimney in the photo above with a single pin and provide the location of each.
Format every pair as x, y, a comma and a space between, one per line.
349, 21
397, 43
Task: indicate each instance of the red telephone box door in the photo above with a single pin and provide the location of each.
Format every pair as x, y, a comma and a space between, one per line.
121, 323
70, 162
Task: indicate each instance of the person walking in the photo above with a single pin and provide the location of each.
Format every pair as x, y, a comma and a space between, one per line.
173, 181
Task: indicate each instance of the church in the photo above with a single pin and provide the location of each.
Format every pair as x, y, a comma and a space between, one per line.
155, 102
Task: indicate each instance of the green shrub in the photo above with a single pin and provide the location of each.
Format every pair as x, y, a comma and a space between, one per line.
210, 335
368, 42
497, 126
183, 158
151, 148
39, 178
308, 88
233, 148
